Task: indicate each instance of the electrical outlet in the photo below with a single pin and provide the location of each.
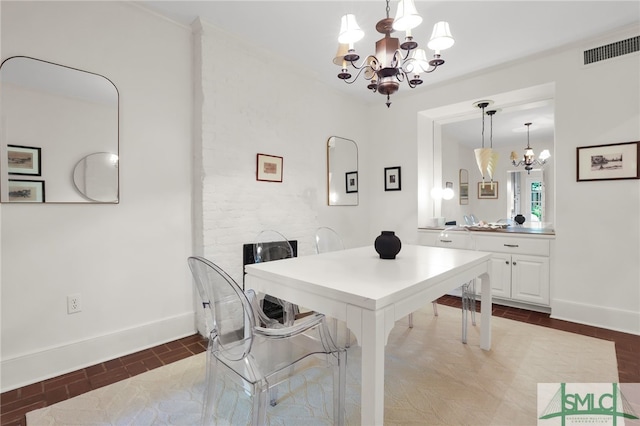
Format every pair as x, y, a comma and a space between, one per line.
73, 303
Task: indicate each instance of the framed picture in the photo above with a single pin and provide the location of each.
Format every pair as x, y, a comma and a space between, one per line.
351, 179
26, 191
23, 160
487, 189
392, 180
269, 168
608, 162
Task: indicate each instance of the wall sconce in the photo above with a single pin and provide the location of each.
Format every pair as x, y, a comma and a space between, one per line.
445, 193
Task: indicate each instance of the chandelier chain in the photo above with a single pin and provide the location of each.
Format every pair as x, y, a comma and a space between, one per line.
482, 107
491, 132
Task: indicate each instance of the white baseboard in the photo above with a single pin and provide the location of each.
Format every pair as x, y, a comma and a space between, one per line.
597, 316
34, 367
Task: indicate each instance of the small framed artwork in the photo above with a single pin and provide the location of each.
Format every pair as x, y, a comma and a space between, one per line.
26, 191
608, 162
269, 168
392, 179
23, 160
351, 179
487, 189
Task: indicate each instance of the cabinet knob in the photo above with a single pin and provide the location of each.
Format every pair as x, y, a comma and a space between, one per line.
506, 262
513, 263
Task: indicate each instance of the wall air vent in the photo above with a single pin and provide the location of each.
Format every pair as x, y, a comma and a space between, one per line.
612, 50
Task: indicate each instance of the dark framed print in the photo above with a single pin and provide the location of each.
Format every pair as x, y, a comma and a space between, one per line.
608, 162
487, 189
26, 191
392, 179
351, 180
23, 160
269, 168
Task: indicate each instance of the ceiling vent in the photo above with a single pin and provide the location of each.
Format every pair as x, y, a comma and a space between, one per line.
612, 50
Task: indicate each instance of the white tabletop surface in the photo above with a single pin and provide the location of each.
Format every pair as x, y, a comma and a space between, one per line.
366, 280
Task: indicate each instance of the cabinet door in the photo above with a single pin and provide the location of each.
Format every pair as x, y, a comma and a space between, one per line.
500, 276
530, 279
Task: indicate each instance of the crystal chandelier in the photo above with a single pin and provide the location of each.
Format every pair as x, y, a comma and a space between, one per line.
486, 158
393, 62
529, 160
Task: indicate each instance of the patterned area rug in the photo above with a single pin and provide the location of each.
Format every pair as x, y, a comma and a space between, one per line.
431, 378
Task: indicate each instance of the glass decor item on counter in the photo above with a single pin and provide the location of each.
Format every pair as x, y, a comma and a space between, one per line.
388, 245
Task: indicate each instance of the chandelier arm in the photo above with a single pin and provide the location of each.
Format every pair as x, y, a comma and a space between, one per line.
353, 79
364, 64
403, 57
430, 70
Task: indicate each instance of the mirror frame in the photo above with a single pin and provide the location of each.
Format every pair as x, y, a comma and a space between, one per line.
355, 193
463, 176
81, 199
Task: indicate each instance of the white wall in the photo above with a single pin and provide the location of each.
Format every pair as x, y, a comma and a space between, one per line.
128, 261
263, 112
595, 272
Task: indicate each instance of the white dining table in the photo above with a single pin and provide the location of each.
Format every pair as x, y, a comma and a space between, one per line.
370, 294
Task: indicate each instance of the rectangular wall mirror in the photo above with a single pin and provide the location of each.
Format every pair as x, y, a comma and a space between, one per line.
59, 138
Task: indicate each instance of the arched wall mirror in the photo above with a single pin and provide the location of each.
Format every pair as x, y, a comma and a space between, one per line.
342, 172
59, 138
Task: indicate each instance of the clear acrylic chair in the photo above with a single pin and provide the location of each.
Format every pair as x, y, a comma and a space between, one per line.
257, 356
328, 240
271, 245
461, 238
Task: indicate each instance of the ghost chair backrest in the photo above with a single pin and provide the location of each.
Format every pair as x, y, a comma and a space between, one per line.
327, 240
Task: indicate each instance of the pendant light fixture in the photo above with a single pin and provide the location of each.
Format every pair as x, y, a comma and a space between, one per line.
486, 158
529, 160
393, 62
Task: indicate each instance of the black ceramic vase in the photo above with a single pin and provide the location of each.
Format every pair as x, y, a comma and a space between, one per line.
519, 219
387, 245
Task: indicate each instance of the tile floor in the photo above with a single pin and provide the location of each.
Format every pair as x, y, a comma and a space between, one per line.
16, 403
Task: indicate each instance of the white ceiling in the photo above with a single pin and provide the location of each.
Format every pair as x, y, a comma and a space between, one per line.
487, 33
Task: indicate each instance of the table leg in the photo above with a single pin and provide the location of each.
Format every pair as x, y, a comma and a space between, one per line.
372, 342
485, 312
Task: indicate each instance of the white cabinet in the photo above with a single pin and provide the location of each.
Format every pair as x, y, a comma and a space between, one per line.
520, 272
520, 266
520, 277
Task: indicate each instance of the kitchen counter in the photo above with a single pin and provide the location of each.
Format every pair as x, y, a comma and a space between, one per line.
513, 229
